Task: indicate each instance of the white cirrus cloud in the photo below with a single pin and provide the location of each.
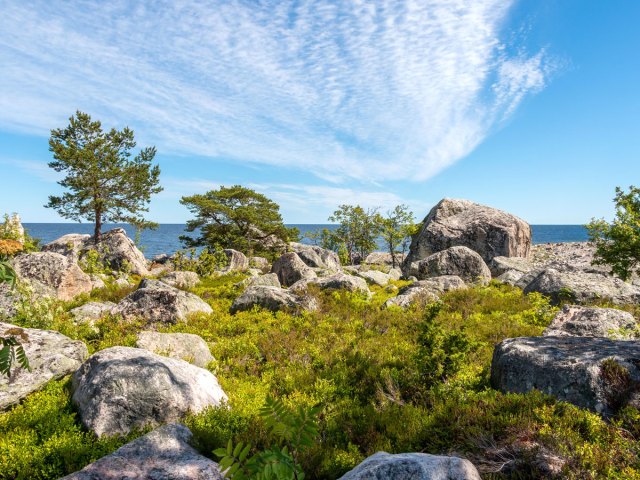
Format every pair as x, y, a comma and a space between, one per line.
368, 90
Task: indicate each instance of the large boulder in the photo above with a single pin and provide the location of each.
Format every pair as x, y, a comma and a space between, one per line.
267, 280
577, 321
120, 252
271, 298
236, 261
52, 275
51, 356
317, 257
164, 453
375, 277
343, 281
182, 279
485, 230
260, 263
578, 255
502, 265
185, 346
115, 249
337, 281
384, 259
91, 311
413, 466
290, 269
70, 245
460, 261
121, 389
510, 277
9, 300
595, 373
157, 302
578, 286
425, 290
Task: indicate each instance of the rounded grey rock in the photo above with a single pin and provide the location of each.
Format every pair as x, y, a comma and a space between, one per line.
165, 454
120, 389
413, 466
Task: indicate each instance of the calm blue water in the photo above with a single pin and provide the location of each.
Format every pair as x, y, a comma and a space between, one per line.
165, 239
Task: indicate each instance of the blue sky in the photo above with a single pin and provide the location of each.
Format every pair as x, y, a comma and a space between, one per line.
528, 106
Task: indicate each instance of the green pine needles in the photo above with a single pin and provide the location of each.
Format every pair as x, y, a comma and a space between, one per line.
294, 431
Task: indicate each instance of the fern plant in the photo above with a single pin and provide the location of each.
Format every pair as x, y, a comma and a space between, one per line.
12, 350
293, 430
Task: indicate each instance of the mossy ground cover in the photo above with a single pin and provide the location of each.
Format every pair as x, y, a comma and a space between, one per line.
387, 379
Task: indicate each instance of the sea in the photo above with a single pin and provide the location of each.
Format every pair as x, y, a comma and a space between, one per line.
166, 238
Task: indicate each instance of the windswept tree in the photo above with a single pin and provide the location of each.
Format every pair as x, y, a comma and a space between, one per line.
396, 229
104, 182
239, 218
618, 243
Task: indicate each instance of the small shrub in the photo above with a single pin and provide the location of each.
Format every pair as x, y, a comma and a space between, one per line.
617, 384
441, 353
292, 430
92, 263
9, 248
205, 264
7, 273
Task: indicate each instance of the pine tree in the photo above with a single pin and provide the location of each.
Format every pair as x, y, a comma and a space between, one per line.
104, 183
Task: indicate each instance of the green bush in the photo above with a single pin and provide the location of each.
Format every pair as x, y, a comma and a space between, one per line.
618, 243
41, 438
205, 264
388, 379
441, 353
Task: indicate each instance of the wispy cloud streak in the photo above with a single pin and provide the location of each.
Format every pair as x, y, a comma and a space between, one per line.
368, 90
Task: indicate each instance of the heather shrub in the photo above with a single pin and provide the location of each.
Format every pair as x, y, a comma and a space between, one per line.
386, 379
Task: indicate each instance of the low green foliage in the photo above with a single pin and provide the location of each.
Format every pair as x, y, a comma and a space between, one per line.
7, 273
206, 263
292, 430
441, 353
92, 263
387, 379
42, 438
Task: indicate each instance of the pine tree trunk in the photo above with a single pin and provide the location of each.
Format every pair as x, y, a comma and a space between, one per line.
97, 234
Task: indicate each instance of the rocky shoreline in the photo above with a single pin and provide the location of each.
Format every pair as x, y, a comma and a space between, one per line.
461, 245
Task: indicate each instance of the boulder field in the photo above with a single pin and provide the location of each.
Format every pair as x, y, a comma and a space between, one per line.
587, 356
